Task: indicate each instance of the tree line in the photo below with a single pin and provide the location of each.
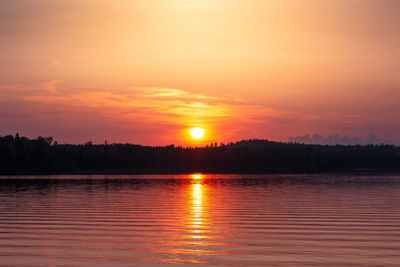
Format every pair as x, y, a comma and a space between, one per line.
44, 155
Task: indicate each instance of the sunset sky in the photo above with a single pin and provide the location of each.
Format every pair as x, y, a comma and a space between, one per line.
148, 71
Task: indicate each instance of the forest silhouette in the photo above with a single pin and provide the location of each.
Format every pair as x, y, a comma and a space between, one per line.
21, 155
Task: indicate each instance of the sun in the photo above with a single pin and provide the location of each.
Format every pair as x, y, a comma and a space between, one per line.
197, 132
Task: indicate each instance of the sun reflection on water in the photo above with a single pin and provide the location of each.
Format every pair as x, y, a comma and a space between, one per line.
197, 209
197, 213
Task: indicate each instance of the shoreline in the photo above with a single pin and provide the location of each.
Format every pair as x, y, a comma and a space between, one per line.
278, 172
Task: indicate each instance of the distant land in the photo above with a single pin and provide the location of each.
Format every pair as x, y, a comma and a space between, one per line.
336, 139
21, 155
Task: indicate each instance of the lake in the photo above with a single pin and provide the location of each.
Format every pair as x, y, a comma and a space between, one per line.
224, 220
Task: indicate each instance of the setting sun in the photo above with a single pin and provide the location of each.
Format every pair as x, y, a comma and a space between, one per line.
197, 132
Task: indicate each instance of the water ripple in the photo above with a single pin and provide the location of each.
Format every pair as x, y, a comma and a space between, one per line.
277, 220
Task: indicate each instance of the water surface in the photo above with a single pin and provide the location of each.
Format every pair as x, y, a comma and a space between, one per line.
225, 220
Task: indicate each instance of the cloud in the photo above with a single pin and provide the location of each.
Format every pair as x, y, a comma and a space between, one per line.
51, 87
156, 115
128, 111
56, 63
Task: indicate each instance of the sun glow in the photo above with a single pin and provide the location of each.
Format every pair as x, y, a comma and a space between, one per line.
196, 176
197, 132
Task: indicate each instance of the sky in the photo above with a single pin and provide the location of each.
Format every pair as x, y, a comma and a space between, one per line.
146, 72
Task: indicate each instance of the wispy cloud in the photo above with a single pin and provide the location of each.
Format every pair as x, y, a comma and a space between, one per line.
157, 115
56, 63
173, 108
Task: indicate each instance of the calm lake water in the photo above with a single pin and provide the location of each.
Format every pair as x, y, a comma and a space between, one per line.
225, 220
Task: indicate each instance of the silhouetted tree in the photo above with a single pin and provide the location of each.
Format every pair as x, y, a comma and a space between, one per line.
44, 155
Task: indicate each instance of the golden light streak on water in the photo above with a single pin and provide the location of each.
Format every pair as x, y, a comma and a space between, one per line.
197, 210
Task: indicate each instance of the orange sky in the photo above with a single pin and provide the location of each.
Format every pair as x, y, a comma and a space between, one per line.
146, 71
